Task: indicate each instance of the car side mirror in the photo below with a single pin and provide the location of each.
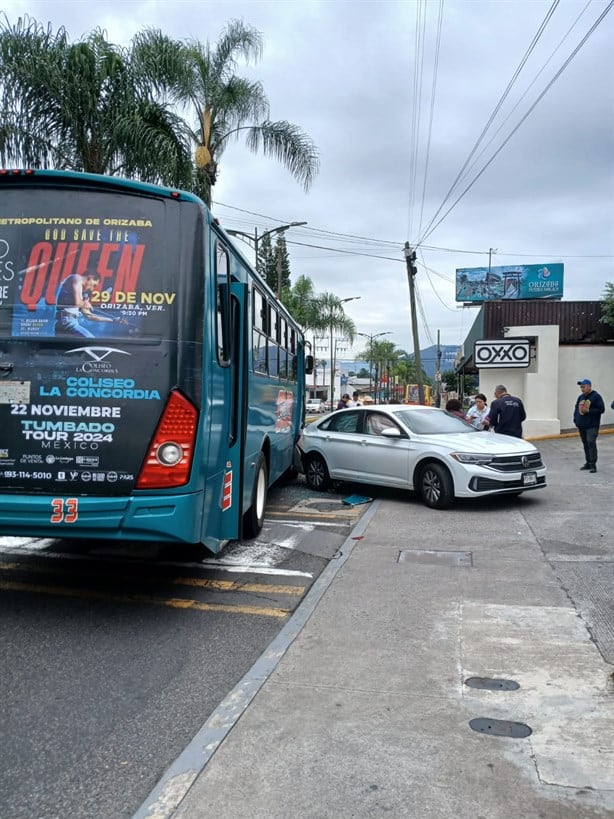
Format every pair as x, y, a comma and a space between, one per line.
391, 432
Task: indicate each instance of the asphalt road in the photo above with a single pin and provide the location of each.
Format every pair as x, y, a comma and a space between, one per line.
113, 657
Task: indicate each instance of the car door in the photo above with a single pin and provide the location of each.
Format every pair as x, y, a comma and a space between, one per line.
339, 443
383, 460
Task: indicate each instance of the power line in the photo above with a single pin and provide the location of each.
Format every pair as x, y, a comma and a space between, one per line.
385, 243
531, 84
495, 111
432, 226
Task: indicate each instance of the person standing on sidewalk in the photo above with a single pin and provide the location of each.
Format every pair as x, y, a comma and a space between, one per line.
478, 412
506, 413
354, 402
587, 416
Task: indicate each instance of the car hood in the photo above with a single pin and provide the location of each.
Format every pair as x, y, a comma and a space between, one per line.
488, 442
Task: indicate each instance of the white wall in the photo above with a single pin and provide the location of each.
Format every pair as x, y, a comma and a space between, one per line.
585, 361
548, 388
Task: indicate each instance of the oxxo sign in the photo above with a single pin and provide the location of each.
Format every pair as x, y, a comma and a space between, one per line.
509, 352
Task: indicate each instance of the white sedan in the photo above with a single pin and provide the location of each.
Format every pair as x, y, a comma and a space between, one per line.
314, 405
426, 449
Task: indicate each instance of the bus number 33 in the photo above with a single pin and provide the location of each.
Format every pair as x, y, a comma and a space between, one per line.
64, 510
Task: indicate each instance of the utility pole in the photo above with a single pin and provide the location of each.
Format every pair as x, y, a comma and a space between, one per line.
438, 374
491, 250
279, 270
410, 260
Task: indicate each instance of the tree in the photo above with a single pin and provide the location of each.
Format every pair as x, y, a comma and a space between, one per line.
201, 80
302, 303
608, 305
268, 260
282, 265
450, 379
329, 316
81, 106
265, 259
96, 107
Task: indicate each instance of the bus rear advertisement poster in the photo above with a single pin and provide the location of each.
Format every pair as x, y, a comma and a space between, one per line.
78, 292
114, 267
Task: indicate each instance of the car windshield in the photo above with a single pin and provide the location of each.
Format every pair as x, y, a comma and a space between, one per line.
433, 422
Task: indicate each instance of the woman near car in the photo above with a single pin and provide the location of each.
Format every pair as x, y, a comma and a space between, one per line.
477, 414
454, 406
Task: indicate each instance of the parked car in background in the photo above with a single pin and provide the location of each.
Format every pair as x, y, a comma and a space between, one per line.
314, 405
425, 449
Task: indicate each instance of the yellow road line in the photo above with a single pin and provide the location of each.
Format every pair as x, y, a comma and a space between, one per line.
204, 583
233, 585
175, 603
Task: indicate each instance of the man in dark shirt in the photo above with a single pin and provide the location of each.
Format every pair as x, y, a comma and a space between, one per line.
506, 413
587, 417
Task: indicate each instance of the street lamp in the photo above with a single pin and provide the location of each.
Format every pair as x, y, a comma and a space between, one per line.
333, 351
253, 241
371, 336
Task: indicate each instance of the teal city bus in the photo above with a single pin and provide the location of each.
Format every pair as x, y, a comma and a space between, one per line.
151, 384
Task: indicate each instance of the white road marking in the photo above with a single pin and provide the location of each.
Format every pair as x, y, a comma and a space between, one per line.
246, 567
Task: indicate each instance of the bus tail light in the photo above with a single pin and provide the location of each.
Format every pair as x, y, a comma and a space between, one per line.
170, 454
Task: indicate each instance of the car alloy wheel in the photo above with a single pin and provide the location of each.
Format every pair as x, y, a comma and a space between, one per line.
316, 473
436, 487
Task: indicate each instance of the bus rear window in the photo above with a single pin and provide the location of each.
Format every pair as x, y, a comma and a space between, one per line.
96, 265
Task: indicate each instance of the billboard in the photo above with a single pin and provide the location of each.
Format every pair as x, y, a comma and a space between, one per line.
527, 281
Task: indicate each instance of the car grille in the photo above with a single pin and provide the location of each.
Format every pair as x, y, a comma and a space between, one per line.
516, 463
488, 484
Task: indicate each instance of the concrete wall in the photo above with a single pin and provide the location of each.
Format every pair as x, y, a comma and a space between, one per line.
585, 361
549, 387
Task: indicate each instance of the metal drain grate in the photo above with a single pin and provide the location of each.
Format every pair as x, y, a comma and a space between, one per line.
500, 728
492, 684
435, 557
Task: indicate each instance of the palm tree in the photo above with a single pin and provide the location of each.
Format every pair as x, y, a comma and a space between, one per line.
330, 316
80, 106
201, 80
302, 302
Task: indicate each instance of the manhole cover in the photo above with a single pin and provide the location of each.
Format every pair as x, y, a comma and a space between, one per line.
500, 728
492, 684
436, 557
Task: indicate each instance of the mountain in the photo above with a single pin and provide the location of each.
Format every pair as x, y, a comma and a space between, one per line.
428, 357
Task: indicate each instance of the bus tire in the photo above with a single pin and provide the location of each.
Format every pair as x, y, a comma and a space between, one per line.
254, 517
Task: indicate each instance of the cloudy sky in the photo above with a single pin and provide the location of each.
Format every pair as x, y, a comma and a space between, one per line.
396, 94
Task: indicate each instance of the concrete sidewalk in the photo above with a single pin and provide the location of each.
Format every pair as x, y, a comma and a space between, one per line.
368, 712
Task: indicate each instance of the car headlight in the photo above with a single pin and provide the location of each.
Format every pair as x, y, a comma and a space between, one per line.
475, 458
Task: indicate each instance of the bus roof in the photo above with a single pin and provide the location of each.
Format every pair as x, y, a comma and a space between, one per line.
51, 177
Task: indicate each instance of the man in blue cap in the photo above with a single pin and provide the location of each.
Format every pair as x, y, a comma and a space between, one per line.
587, 417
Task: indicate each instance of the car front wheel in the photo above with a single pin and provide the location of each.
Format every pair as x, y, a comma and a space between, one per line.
316, 473
435, 486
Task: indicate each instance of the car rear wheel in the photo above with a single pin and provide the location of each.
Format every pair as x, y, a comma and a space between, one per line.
316, 473
435, 486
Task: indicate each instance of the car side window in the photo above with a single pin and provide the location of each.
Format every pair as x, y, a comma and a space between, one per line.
343, 422
377, 422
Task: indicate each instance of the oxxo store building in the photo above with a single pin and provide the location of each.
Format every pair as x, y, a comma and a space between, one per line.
540, 349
